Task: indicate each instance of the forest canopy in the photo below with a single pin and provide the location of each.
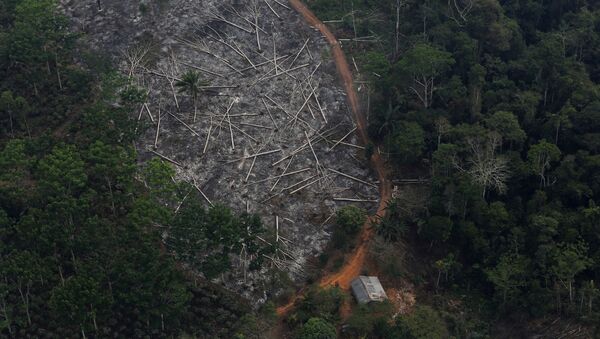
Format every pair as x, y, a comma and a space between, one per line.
83, 250
498, 103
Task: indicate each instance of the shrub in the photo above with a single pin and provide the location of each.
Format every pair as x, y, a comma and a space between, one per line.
317, 328
350, 219
423, 323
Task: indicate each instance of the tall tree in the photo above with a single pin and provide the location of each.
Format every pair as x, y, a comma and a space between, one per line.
22, 269
486, 168
540, 157
507, 125
509, 275
191, 83
568, 260
407, 143
78, 300
424, 63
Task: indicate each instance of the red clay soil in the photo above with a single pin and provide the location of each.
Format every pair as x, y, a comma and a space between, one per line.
355, 262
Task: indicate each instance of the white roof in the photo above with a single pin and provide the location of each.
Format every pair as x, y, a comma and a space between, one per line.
367, 289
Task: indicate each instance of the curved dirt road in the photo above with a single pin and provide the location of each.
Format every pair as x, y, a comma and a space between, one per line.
355, 261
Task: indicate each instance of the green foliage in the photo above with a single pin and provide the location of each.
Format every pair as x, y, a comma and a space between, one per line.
349, 222
422, 64
365, 318
351, 219
81, 226
501, 98
540, 157
190, 83
62, 172
423, 322
407, 143
206, 238
375, 64
425, 61
568, 260
509, 275
507, 124
447, 266
39, 33
391, 229
317, 328
438, 228
318, 302
74, 301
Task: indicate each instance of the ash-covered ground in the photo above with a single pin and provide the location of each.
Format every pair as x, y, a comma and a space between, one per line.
271, 133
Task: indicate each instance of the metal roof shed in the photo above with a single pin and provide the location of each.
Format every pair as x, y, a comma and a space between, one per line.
367, 289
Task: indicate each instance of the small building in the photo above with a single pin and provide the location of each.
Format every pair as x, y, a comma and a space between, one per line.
367, 289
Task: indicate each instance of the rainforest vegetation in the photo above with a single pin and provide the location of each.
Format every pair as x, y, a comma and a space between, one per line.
83, 248
497, 104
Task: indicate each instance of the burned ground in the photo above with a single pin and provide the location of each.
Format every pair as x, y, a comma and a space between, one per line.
272, 133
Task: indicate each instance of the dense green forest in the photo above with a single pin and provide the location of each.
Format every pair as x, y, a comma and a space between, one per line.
88, 240
498, 102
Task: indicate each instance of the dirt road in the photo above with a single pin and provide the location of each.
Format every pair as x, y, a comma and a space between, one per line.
356, 260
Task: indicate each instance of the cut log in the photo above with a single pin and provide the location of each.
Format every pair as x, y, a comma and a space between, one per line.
263, 63
203, 195
283, 5
244, 133
250, 170
157, 130
208, 136
255, 155
355, 200
269, 112
201, 69
149, 114
276, 229
302, 107
199, 48
254, 125
284, 172
342, 139
229, 122
348, 144
307, 185
351, 177
271, 8
316, 96
313, 152
184, 124
166, 158
257, 34
300, 51
285, 72
221, 18
328, 218
299, 183
278, 176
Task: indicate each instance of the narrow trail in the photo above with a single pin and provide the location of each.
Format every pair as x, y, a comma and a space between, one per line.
356, 260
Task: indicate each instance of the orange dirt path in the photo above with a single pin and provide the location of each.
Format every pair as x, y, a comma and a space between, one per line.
356, 260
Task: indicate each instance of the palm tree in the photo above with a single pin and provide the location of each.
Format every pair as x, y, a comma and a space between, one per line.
191, 83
